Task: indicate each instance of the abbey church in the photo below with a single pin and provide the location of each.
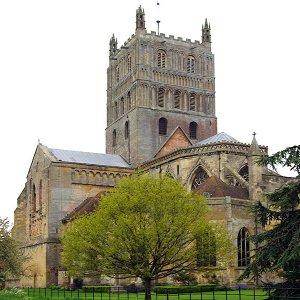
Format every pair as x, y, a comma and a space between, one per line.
161, 119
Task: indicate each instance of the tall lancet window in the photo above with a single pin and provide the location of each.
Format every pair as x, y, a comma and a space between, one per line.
161, 59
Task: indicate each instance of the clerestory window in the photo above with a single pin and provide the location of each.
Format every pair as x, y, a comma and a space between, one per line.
161, 59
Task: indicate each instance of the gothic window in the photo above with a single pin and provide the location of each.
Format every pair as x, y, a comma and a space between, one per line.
200, 177
116, 110
129, 100
193, 130
129, 63
33, 198
126, 130
161, 59
190, 64
114, 138
243, 246
40, 194
244, 172
122, 106
177, 97
206, 249
160, 97
117, 74
162, 126
192, 102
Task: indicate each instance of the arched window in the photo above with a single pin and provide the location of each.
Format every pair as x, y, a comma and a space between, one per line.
33, 198
190, 64
243, 246
162, 126
244, 172
116, 110
122, 106
177, 98
129, 100
200, 177
126, 130
161, 59
41, 194
160, 97
192, 102
206, 249
114, 138
193, 130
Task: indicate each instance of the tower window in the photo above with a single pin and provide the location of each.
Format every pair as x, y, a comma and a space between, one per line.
161, 59
116, 110
126, 130
192, 102
193, 130
177, 97
129, 100
114, 138
160, 97
190, 64
243, 245
162, 126
122, 106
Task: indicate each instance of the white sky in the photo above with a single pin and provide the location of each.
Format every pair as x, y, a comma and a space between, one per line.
54, 55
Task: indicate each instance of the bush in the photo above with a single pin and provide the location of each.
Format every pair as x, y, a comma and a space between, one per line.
15, 294
183, 289
96, 288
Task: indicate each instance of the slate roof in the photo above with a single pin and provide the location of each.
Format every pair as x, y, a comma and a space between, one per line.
218, 188
220, 137
99, 159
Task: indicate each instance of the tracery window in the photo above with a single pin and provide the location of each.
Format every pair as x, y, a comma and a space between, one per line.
243, 246
160, 97
126, 130
200, 177
206, 249
192, 102
114, 138
190, 64
162, 126
193, 130
177, 101
161, 59
244, 172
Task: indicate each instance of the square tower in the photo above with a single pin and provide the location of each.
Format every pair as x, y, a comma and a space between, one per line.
154, 84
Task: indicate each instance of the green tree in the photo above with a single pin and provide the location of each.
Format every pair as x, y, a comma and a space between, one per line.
144, 228
11, 256
278, 249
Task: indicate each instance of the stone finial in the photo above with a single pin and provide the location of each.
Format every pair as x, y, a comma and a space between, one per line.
254, 148
140, 18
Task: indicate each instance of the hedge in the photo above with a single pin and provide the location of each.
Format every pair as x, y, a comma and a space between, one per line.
183, 289
96, 288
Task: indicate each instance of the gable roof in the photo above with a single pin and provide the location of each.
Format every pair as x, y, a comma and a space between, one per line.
177, 139
218, 138
99, 159
218, 188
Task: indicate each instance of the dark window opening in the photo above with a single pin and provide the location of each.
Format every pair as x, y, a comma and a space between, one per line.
243, 245
126, 133
200, 177
162, 126
161, 59
177, 100
193, 130
192, 102
114, 141
160, 97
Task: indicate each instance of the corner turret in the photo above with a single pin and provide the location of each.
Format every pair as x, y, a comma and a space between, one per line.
206, 36
113, 46
140, 18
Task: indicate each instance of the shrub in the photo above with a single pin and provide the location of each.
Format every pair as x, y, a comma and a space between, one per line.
183, 289
96, 288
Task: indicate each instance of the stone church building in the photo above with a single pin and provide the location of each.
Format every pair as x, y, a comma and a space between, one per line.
160, 118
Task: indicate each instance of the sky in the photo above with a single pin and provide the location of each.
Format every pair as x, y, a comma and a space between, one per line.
54, 56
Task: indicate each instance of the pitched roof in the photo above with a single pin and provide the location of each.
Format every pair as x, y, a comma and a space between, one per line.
215, 187
177, 139
99, 159
220, 137
86, 206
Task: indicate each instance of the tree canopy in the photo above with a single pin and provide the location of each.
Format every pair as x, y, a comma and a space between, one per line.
278, 249
146, 227
11, 256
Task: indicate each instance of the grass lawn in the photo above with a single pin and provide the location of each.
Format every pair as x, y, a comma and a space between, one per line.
48, 294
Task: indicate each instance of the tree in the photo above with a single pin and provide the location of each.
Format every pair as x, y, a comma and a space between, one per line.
144, 228
11, 256
278, 249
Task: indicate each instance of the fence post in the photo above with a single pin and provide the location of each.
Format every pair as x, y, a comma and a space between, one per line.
190, 294
240, 293
178, 297
253, 293
201, 292
214, 293
226, 292
94, 292
167, 294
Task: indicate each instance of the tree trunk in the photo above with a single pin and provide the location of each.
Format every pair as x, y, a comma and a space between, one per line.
147, 285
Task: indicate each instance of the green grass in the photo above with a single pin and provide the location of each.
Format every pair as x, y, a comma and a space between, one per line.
55, 294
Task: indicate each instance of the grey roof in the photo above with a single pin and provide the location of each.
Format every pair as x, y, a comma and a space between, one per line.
218, 138
111, 160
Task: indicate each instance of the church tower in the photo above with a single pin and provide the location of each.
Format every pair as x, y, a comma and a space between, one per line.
156, 83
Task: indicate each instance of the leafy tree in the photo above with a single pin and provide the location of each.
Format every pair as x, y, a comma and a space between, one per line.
144, 228
278, 249
11, 257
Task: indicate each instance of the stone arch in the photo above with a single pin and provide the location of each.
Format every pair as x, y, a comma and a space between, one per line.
198, 175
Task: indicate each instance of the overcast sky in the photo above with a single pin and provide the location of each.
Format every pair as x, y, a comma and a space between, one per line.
54, 55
